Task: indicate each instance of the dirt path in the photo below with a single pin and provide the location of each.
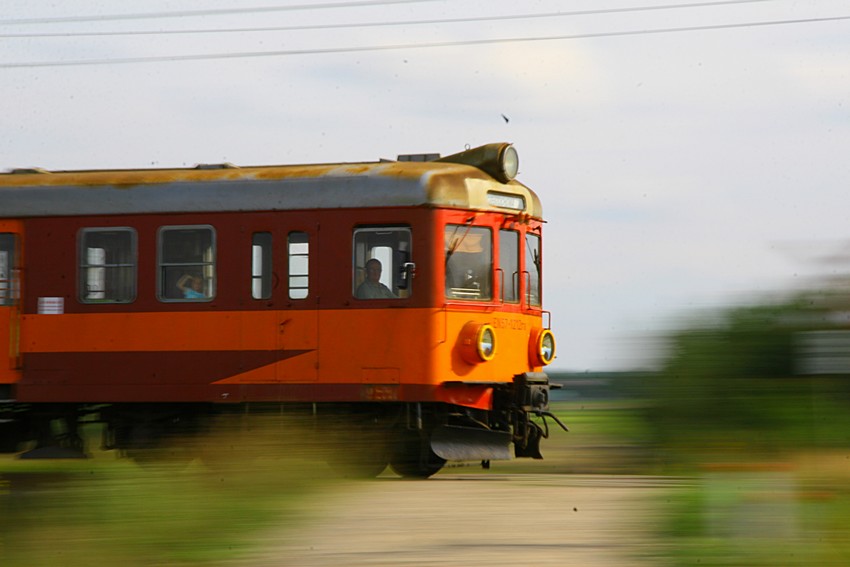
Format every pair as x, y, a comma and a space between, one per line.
476, 520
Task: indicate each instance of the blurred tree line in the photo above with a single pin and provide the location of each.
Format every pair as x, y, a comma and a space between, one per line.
760, 378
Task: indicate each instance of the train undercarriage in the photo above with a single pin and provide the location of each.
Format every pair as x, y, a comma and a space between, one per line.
416, 439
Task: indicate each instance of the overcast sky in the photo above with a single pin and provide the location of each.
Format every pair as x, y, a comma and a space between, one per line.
678, 170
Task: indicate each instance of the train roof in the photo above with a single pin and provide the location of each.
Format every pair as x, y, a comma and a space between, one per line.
475, 179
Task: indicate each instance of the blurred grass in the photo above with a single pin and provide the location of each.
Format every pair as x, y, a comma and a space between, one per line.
762, 445
791, 516
111, 511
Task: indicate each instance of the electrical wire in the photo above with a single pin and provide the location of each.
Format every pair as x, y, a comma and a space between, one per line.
212, 12
348, 25
396, 47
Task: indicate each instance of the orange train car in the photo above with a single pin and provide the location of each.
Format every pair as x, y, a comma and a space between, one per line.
399, 298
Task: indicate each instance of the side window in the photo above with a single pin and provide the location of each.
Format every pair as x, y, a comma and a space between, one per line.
8, 269
261, 265
383, 266
469, 262
298, 250
107, 265
532, 269
186, 263
509, 265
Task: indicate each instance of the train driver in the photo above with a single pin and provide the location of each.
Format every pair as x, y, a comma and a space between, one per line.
372, 288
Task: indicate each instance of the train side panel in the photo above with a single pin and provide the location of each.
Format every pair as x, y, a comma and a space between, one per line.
11, 250
233, 347
150, 350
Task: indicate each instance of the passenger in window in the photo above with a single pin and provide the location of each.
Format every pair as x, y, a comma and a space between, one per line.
372, 288
191, 286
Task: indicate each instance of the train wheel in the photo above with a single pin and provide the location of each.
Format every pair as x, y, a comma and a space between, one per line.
358, 464
412, 457
149, 446
359, 448
11, 437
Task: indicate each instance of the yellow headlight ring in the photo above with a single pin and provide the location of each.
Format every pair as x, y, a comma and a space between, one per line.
477, 342
485, 343
542, 347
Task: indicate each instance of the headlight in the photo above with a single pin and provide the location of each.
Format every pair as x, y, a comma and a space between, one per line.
500, 160
542, 347
510, 162
477, 342
486, 342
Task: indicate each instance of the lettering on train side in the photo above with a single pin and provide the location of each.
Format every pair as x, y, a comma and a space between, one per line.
509, 323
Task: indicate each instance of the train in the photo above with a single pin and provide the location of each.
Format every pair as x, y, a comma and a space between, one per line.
400, 300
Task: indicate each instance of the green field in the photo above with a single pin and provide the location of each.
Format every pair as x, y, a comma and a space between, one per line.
793, 512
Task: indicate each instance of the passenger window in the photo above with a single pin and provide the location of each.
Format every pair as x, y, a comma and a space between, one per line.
469, 262
508, 271
8, 269
107, 265
261, 265
298, 247
383, 266
532, 269
186, 263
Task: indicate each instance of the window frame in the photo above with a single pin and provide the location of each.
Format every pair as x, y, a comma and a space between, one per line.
463, 293
390, 276
83, 265
515, 278
262, 274
210, 265
291, 289
11, 284
527, 295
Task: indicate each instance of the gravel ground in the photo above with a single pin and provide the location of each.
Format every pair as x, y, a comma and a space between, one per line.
475, 520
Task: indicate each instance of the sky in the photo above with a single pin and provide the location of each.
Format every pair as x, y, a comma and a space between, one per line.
688, 155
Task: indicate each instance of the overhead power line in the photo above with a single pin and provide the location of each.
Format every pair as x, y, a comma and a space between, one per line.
211, 12
395, 47
471, 19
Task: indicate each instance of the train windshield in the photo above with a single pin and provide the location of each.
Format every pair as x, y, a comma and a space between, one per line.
382, 263
469, 262
508, 271
532, 269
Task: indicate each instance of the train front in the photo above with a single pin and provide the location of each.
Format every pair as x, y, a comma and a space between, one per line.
491, 335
